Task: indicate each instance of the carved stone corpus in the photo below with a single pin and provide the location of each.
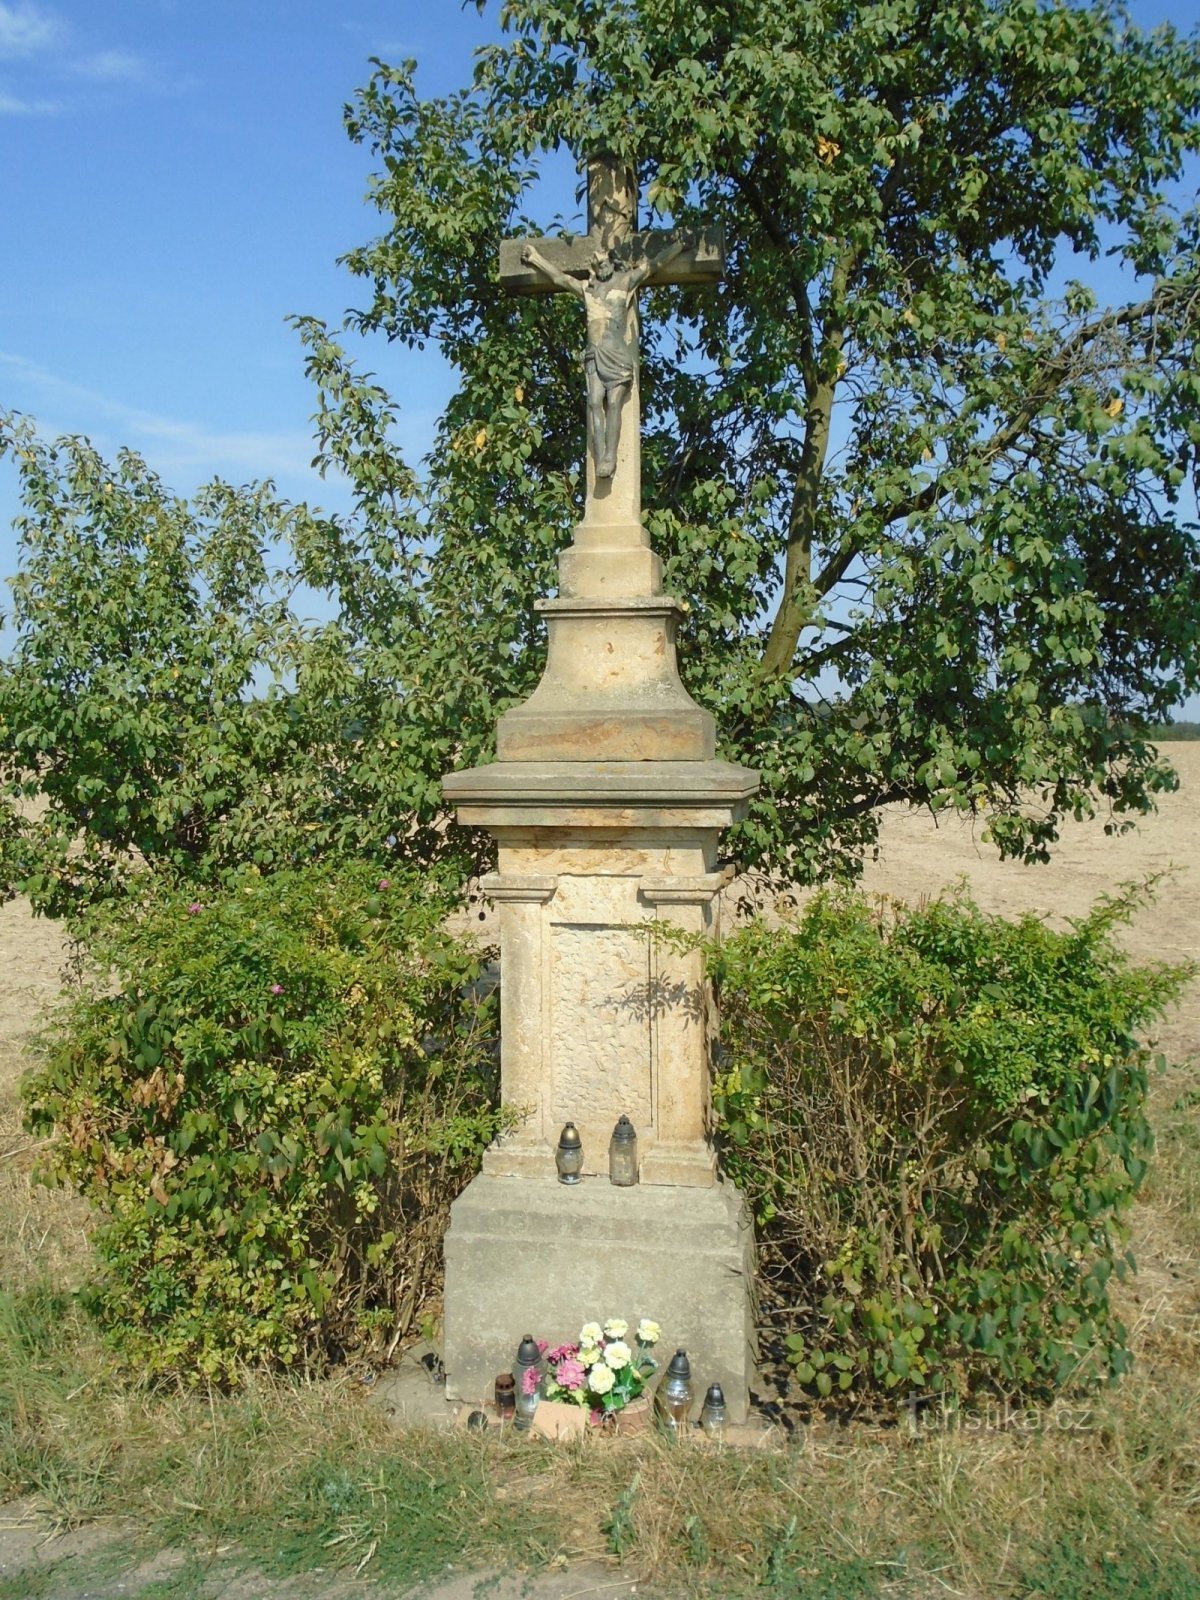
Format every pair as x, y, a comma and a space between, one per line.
605, 269
611, 689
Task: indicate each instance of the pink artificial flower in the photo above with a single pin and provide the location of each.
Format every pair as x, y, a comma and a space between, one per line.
543, 1345
562, 1352
570, 1374
194, 908
276, 988
530, 1380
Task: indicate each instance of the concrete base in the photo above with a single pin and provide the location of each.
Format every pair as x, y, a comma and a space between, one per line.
531, 1255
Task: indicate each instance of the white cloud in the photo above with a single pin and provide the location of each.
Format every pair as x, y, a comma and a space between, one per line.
25, 28
111, 66
177, 450
12, 106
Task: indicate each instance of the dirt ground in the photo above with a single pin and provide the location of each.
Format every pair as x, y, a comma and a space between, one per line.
42, 1231
919, 855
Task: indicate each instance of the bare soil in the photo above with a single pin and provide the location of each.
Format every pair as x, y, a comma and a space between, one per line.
42, 1231
919, 856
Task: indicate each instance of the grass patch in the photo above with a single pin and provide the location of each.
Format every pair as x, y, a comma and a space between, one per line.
1071, 1570
75, 1574
1174, 1186
295, 1477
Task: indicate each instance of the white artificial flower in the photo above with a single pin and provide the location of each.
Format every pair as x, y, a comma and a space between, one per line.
648, 1332
615, 1328
618, 1355
600, 1379
591, 1333
589, 1354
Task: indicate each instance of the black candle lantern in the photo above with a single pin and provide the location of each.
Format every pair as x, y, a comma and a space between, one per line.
713, 1414
568, 1158
622, 1154
527, 1373
673, 1397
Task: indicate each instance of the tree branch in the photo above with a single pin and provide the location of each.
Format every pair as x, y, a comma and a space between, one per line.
1055, 372
769, 223
796, 601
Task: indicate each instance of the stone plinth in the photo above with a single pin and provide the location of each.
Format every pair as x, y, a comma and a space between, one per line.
611, 689
528, 1255
598, 1018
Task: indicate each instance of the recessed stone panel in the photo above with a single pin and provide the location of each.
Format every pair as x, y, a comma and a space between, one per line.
601, 1046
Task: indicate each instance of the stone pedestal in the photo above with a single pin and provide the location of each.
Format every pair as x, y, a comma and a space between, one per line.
531, 1255
607, 804
597, 1016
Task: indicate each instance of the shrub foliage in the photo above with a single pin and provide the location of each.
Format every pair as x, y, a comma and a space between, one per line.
939, 1118
271, 1096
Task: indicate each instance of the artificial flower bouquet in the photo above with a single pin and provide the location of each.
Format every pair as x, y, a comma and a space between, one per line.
603, 1371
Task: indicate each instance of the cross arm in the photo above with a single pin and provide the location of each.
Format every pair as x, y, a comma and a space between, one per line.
675, 256
656, 268
568, 257
531, 256
684, 255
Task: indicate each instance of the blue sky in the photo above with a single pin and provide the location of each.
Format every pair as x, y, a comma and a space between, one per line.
175, 180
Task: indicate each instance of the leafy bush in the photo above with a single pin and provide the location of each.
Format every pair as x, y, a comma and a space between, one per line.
272, 1095
210, 725
939, 1118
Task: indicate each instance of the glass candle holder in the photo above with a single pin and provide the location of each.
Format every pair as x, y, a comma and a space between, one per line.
713, 1414
527, 1373
673, 1397
527, 1404
622, 1154
568, 1157
506, 1396
529, 1359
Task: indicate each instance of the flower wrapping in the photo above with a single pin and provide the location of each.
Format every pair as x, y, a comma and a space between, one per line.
601, 1370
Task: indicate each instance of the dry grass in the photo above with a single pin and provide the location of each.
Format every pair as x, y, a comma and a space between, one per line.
301, 1477
310, 1475
42, 1231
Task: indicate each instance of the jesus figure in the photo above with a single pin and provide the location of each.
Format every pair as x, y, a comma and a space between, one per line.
609, 295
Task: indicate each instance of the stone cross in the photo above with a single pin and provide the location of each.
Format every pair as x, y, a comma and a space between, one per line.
606, 802
605, 269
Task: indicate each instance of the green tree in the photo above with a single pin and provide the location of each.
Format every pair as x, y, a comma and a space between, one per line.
895, 449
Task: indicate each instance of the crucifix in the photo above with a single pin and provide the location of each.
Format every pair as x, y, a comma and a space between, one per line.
604, 269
